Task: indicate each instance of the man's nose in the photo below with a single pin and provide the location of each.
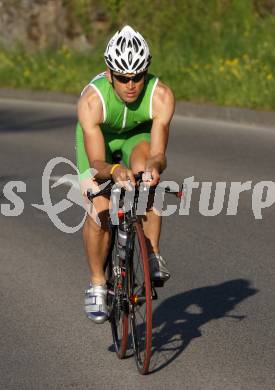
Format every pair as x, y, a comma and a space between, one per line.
130, 84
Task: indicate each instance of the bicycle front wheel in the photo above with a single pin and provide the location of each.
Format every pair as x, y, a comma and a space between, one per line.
141, 302
116, 299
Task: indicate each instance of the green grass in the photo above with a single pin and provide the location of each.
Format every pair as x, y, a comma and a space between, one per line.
219, 51
62, 70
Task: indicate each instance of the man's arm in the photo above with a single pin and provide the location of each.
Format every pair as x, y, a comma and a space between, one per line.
90, 115
163, 110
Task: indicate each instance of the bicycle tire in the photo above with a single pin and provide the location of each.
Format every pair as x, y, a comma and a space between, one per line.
141, 298
118, 317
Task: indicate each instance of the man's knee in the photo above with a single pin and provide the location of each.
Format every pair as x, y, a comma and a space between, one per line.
99, 211
99, 223
99, 216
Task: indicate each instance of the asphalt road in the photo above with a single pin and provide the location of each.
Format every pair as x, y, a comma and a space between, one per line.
214, 320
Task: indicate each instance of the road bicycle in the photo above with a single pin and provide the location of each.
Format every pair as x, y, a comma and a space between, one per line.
130, 290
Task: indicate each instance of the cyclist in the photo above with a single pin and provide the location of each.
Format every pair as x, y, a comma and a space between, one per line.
124, 108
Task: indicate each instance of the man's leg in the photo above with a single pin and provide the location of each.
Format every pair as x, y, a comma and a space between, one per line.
96, 236
96, 240
152, 221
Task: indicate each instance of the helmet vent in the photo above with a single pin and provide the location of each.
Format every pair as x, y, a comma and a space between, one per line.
135, 45
124, 64
140, 65
123, 45
109, 63
129, 44
119, 40
138, 41
130, 58
117, 52
142, 52
136, 63
118, 65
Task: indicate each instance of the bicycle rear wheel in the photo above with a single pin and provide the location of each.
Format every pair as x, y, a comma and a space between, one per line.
118, 310
141, 302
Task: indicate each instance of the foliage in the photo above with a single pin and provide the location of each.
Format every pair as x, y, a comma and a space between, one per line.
219, 51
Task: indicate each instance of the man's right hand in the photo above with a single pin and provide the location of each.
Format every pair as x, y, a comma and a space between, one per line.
124, 177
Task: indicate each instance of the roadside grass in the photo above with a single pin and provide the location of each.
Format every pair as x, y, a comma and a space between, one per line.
226, 58
240, 81
243, 81
60, 70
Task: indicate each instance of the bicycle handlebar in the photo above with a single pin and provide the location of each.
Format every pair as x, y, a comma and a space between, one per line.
138, 178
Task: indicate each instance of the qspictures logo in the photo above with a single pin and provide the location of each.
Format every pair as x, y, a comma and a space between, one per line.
212, 199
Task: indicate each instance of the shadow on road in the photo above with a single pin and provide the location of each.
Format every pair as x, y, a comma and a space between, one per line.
25, 122
178, 320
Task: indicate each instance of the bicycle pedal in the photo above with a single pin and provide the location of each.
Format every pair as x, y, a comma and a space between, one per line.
157, 283
154, 294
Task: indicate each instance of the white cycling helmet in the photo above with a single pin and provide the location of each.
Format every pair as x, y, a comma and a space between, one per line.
127, 52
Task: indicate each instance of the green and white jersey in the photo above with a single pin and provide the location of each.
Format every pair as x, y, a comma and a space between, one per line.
120, 117
124, 124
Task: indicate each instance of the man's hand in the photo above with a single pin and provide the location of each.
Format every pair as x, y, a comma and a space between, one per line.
151, 177
124, 177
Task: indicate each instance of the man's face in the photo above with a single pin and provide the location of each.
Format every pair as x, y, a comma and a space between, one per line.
128, 91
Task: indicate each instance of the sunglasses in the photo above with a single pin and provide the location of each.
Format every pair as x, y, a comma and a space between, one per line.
124, 80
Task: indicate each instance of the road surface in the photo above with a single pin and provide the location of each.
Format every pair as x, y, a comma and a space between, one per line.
214, 320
